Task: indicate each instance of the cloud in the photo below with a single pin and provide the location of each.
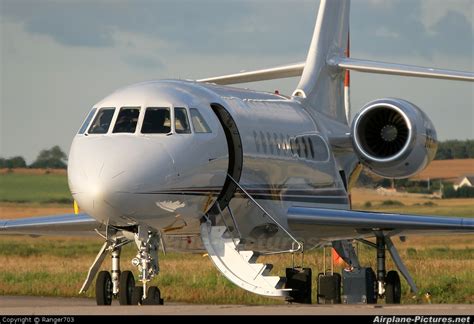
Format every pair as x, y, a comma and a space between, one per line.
376, 23
144, 62
69, 23
448, 29
209, 26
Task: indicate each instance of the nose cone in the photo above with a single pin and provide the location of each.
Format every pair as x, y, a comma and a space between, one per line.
104, 173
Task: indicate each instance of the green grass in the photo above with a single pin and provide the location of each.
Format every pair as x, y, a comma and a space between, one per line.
34, 188
57, 267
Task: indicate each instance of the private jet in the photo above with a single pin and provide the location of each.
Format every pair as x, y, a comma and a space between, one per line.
246, 173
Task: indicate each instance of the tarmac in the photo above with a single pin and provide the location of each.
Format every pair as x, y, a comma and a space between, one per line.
27, 305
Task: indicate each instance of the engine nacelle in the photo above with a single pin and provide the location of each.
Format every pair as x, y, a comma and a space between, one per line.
393, 138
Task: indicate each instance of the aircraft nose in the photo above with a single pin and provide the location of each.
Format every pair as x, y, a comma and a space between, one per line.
104, 173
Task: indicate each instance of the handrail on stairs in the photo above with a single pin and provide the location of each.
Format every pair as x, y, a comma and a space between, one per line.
298, 243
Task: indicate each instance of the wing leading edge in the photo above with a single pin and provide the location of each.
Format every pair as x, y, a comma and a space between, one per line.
339, 223
67, 224
343, 63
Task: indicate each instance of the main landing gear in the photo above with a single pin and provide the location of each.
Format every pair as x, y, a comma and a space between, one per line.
362, 285
121, 285
388, 284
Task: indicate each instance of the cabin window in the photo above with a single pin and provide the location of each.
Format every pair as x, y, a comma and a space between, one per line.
304, 147
83, 128
264, 142
321, 152
257, 143
299, 146
283, 145
289, 148
102, 121
311, 150
270, 143
127, 120
292, 146
181, 123
277, 144
199, 124
156, 121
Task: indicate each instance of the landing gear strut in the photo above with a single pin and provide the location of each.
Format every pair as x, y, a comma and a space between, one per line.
121, 285
388, 284
147, 262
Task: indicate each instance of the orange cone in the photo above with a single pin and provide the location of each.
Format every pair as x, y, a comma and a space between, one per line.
336, 258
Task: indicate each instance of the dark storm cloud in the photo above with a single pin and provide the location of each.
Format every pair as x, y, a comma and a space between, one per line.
395, 28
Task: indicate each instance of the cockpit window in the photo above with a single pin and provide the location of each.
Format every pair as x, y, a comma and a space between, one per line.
83, 128
156, 121
102, 121
127, 120
181, 123
199, 124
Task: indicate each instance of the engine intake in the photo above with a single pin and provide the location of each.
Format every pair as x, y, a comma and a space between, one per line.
393, 138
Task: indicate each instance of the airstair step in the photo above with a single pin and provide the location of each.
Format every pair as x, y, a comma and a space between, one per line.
240, 267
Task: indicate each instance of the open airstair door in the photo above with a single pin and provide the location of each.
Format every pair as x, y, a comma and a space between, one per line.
238, 266
234, 146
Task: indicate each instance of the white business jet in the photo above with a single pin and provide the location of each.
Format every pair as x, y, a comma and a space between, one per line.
246, 173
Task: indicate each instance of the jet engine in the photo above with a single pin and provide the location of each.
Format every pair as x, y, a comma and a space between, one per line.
393, 138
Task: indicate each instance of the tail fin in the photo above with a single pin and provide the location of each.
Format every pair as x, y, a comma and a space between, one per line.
322, 84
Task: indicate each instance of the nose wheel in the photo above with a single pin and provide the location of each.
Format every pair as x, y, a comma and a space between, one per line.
127, 285
153, 296
103, 288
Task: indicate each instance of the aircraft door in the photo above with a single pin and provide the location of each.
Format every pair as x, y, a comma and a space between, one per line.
234, 145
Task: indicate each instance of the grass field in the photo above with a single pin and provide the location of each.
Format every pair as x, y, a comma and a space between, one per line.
44, 266
57, 267
34, 188
411, 203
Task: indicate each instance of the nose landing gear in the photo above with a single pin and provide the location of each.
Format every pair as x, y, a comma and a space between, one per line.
147, 262
121, 285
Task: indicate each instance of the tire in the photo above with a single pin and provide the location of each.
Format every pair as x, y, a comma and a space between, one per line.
103, 288
137, 295
393, 288
126, 287
153, 297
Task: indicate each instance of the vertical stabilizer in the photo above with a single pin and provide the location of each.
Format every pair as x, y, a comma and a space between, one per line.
322, 84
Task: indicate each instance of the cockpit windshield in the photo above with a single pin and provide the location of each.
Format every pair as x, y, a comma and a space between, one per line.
156, 121
102, 121
199, 123
83, 128
127, 120
181, 123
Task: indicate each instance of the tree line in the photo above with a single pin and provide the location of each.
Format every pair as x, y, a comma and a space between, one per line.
455, 149
54, 158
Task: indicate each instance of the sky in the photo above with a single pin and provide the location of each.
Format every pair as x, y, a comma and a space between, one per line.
58, 58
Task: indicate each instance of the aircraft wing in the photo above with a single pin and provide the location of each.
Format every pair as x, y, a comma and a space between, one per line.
349, 63
344, 63
336, 224
67, 224
279, 72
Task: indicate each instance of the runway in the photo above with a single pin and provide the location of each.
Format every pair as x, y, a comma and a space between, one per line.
23, 305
